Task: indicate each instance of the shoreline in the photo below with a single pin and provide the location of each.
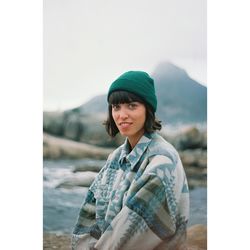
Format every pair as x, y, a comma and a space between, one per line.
56, 241
196, 239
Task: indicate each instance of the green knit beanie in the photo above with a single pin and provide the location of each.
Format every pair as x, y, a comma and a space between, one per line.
137, 82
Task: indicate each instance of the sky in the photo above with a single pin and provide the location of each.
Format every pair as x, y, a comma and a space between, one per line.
87, 44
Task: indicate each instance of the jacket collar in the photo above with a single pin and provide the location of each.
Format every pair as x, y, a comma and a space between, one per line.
131, 158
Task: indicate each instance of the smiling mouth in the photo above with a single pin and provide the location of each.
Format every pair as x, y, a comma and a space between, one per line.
125, 123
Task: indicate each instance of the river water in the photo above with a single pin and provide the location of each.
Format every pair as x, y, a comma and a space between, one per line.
61, 206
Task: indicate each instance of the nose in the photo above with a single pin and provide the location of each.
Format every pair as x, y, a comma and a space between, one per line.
123, 114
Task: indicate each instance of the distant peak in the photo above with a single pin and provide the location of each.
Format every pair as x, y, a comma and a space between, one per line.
169, 68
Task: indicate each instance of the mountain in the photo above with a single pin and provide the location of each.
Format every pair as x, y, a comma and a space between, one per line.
97, 105
180, 98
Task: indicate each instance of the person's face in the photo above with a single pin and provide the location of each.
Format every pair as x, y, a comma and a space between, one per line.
129, 118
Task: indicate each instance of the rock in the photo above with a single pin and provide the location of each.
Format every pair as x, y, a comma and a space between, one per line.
201, 173
56, 241
195, 165
55, 148
83, 180
196, 177
191, 138
197, 237
53, 122
87, 167
94, 132
88, 129
196, 157
192, 182
73, 127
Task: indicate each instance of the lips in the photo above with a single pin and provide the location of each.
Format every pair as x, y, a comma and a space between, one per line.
125, 125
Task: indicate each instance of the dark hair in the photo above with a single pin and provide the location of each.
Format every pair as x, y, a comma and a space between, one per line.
118, 97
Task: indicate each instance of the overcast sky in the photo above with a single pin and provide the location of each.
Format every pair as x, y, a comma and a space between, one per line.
89, 43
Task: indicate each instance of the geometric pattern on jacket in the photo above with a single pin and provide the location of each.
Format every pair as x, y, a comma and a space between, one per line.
139, 200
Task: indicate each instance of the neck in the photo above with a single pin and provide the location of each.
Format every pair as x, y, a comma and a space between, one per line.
135, 138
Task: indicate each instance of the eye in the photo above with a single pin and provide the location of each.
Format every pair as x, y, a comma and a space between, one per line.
132, 105
115, 107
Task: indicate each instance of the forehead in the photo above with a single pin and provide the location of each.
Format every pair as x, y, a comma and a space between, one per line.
119, 97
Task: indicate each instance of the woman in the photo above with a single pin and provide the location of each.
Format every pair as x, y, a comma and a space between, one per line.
140, 198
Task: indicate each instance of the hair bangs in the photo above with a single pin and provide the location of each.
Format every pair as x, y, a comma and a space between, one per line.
119, 97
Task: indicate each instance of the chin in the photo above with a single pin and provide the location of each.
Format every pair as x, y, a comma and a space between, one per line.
126, 133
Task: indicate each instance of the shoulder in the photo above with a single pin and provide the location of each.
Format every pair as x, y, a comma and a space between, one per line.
163, 160
109, 167
112, 158
114, 155
162, 149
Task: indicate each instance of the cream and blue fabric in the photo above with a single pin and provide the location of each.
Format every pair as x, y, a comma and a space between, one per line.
139, 200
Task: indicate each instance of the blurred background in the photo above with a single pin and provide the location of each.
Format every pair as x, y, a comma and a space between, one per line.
87, 45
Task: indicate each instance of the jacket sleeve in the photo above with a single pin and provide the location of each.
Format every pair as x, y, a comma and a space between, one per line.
85, 231
144, 220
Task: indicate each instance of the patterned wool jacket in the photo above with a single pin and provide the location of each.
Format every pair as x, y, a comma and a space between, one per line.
138, 201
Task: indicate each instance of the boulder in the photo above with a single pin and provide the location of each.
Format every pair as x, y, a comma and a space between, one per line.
83, 180
73, 127
197, 237
196, 182
94, 133
53, 122
55, 148
190, 138
87, 167
195, 165
195, 158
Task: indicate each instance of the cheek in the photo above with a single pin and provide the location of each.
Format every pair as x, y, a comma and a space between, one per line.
144, 119
141, 118
144, 114
114, 116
